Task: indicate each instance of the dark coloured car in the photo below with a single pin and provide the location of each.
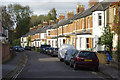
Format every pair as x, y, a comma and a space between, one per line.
68, 55
18, 48
43, 47
54, 51
85, 59
27, 48
47, 50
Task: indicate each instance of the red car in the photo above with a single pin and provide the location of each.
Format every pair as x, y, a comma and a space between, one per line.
85, 59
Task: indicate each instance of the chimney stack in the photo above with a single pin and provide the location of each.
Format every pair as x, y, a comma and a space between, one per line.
51, 22
70, 14
61, 17
80, 8
92, 2
39, 26
45, 23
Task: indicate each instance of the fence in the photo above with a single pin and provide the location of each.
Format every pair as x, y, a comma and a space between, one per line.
5, 52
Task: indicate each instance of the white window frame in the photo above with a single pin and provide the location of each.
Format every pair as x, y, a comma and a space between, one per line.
114, 11
80, 40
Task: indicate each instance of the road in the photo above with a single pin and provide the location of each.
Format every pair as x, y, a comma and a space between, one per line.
44, 66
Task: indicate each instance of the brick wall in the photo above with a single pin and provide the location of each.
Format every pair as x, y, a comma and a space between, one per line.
5, 52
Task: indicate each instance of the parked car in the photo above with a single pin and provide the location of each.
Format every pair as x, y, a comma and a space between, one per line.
62, 50
54, 52
47, 50
85, 59
27, 48
43, 47
50, 50
18, 48
68, 55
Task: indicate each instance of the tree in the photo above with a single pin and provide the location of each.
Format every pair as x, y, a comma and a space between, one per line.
8, 23
106, 39
21, 17
28, 41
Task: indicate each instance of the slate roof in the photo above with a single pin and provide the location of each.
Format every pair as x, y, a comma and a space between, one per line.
101, 6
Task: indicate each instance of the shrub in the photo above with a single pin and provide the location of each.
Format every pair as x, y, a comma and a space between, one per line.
37, 49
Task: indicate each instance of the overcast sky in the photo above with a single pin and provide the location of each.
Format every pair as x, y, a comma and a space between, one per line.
43, 6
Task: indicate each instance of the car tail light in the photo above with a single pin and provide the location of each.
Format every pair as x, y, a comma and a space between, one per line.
78, 59
97, 60
54, 51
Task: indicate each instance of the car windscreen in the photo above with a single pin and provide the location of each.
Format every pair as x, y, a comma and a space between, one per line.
87, 54
71, 51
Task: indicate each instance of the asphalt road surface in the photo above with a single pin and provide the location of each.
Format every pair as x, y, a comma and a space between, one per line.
44, 66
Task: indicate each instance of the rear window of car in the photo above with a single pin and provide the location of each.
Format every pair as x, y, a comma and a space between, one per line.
87, 54
56, 48
51, 48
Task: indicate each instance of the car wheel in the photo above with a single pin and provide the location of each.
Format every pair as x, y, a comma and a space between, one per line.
71, 64
96, 69
75, 66
61, 60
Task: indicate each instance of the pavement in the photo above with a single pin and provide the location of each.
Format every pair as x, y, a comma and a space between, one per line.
107, 69
11, 65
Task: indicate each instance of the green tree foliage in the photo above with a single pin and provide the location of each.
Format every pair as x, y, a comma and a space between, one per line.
6, 19
21, 17
52, 15
116, 28
7, 22
28, 41
35, 20
106, 39
16, 42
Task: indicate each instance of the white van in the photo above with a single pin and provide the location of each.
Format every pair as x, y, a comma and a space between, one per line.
62, 50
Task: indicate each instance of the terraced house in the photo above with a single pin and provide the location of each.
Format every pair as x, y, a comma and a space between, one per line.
83, 29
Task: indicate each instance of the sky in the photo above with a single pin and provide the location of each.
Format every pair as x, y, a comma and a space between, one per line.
44, 6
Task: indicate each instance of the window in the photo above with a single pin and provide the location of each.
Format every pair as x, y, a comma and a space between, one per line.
48, 42
69, 41
56, 43
38, 44
52, 43
63, 41
87, 42
99, 19
82, 24
73, 41
80, 42
48, 32
88, 23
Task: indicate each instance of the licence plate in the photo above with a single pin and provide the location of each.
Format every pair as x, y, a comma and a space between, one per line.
87, 60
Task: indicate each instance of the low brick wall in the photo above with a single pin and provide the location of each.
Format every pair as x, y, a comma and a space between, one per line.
102, 58
5, 52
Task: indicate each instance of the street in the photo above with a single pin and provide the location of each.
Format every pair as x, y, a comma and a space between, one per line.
44, 66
